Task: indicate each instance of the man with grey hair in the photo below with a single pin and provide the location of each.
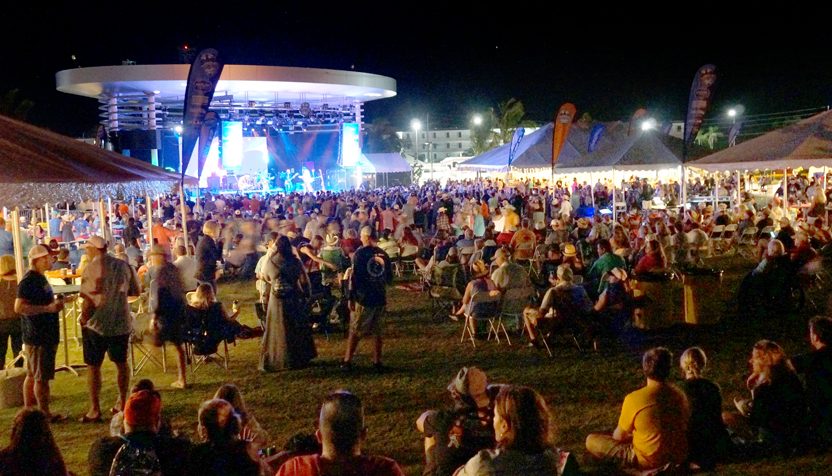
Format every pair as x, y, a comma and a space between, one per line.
341, 432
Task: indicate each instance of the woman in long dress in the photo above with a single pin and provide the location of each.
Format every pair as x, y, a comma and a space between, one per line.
287, 342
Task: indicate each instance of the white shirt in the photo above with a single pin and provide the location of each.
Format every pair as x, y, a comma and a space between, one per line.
187, 269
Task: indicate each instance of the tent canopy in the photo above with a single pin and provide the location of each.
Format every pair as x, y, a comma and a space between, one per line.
641, 150
38, 166
387, 163
806, 143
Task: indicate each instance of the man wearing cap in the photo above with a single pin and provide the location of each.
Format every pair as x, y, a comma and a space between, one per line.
105, 320
455, 435
371, 273
142, 420
37, 304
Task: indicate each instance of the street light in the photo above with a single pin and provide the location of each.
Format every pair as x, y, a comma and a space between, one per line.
416, 124
477, 120
734, 131
648, 124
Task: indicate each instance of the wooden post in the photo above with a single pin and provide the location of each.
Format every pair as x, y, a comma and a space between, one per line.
18, 245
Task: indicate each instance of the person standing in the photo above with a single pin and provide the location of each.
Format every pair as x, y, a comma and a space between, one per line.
106, 320
208, 253
166, 299
37, 304
287, 341
9, 319
371, 273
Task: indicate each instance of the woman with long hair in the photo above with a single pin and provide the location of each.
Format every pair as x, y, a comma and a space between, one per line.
32, 449
523, 433
776, 414
287, 342
654, 258
231, 393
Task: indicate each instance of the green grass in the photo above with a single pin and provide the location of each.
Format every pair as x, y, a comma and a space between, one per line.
584, 390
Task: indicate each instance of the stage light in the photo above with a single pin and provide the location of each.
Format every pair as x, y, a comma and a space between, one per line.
177, 129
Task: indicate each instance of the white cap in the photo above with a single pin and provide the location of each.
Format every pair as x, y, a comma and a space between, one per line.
38, 251
96, 242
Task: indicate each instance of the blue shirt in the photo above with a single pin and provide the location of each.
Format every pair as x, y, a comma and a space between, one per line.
6, 243
55, 227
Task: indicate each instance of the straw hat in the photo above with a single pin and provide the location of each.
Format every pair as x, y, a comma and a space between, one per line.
583, 223
569, 250
331, 239
619, 273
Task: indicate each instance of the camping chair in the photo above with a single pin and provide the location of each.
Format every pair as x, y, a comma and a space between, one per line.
141, 349
321, 302
514, 301
484, 307
202, 339
444, 290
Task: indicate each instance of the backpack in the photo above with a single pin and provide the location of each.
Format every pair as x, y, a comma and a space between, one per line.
135, 460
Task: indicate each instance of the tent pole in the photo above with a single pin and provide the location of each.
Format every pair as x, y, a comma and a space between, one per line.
149, 222
614, 217
183, 211
102, 219
110, 214
17, 244
786, 191
592, 191
739, 190
716, 192
684, 192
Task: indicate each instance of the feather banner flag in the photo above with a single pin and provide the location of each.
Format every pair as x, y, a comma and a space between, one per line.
640, 112
563, 121
202, 81
700, 98
515, 143
595, 136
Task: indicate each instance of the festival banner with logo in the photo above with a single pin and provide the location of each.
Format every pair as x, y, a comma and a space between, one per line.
515, 142
595, 136
700, 98
202, 81
563, 121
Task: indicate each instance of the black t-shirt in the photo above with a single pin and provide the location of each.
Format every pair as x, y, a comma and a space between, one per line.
817, 368
707, 435
371, 272
460, 434
40, 329
173, 453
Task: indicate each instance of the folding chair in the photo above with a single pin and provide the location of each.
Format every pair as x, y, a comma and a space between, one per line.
715, 237
728, 241
747, 242
200, 345
142, 349
484, 306
444, 289
514, 301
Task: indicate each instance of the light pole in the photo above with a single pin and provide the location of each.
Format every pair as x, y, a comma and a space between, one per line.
416, 125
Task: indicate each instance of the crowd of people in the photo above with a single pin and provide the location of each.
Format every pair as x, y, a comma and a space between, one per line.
325, 257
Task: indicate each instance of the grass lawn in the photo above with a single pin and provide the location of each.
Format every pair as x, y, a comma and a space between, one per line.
584, 390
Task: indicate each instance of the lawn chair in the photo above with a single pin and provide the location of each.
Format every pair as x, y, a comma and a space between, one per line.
514, 301
141, 347
445, 289
747, 242
484, 307
204, 335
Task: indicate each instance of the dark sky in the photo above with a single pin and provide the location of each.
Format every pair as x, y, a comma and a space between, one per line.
449, 61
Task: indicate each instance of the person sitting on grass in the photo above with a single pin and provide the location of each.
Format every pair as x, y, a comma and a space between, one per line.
775, 418
32, 449
226, 449
231, 394
454, 436
522, 428
708, 439
341, 433
140, 447
816, 366
652, 427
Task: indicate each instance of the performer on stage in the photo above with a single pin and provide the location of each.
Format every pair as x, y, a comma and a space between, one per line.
306, 176
321, 178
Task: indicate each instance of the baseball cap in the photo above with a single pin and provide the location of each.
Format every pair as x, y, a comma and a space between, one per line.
96, 242
38, 251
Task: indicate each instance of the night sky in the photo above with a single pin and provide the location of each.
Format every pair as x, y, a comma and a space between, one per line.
448, 61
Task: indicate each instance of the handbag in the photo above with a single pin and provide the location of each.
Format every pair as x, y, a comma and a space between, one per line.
11, 384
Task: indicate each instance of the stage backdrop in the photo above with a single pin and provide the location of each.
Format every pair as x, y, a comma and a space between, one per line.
294, 150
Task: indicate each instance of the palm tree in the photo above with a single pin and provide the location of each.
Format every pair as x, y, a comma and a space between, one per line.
709, 136
382, 137
12, 105
509, 117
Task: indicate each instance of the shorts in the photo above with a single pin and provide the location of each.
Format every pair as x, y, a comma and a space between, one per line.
366, 320
40, 361
96, 345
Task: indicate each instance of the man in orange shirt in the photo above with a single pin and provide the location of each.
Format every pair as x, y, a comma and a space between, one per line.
162, 235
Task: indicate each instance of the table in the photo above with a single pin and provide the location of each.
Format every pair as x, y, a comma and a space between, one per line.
62, 274
70, 311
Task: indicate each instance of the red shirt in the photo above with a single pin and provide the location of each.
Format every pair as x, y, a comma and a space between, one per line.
314, 465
